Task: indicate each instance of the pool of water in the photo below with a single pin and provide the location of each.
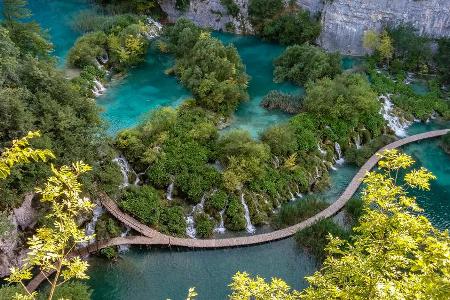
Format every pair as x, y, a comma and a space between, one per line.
55, 17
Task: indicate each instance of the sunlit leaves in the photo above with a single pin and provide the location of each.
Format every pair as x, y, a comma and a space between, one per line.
21, 152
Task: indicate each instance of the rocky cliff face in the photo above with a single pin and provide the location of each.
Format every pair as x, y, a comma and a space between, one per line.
344, 21
210, 14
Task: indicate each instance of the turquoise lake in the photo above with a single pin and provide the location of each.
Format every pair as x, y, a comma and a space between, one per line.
157, 274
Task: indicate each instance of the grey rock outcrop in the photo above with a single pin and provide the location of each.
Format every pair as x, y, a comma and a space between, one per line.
345, 21
210, 14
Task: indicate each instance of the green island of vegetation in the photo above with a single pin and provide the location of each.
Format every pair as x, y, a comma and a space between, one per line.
188, 175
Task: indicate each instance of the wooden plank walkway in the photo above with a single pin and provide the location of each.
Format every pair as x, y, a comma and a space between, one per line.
153, 237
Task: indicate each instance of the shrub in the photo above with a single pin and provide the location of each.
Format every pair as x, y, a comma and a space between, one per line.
218, 200
302, 209
234, 215
282, 101
304, 63
315, 237
281, 140
107, 227
143, 203
231, 6
354, 208
260, 11
172, 221
204, 225
360, 156
292, 28
73, 290
110, 253
87, 48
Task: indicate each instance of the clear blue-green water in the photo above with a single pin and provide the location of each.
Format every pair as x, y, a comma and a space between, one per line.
55, 17
168, 273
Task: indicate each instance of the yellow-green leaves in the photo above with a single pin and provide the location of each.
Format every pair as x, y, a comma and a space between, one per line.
21, 152
50, 247
419, 179
393, 160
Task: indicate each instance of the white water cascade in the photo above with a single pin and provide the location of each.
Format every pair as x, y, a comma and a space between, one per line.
125, 169
299, 195
291, 194
397, 124
190, 221
340, 160
221, 227
358, 141
124, 248
323, 152
249, 226
90, 227
154, 29
98, 89
170, 191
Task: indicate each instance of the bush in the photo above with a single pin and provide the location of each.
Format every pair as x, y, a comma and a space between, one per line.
204, 225
304, 63
288, 103
360, 156
354, 208
143, 203
232, 7
9, 291
87, 48
110, 253
234, 215
172, 221
292, 28
281, 140
107, 227
302, 209
315, 237
260, 11
72, 290
218, 200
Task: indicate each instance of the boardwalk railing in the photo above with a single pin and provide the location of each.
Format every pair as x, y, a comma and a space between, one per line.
153, 237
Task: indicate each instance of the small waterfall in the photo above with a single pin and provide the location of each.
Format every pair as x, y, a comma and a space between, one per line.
409, 78
103, 59
299, 195
358, 141
126, 169
394, 122
249, 227
221, 227
340, 160
323, 152
292, 195
124, 248
190, 221
98, 88
154, 29
90, 227
170, 191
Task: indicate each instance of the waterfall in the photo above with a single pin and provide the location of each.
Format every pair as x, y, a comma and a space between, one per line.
98, 88
340, 160
125, 169
90, 227
170, 191
394, 122
124, 248
249, 226
190, 221
299, 195
221, 227
358, 141
292, 195
409, 78
104, 58
154, 28
323, 152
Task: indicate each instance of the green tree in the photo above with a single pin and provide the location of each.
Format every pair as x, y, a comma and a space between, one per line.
371, 40
303, 63
51, 246
385, 46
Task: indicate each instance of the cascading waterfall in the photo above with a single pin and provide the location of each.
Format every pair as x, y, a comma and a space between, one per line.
190, 221
249, 226
299, 195
125, 169
124, 248
292, 195
358, 141
340, 160
221, 227
323, 152
90, 227
170, 191
397, 124
98, 88
154, 29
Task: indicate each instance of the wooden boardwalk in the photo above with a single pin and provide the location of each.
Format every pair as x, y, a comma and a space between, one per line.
153, 237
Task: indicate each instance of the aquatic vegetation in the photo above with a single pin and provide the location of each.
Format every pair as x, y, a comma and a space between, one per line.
285, 102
